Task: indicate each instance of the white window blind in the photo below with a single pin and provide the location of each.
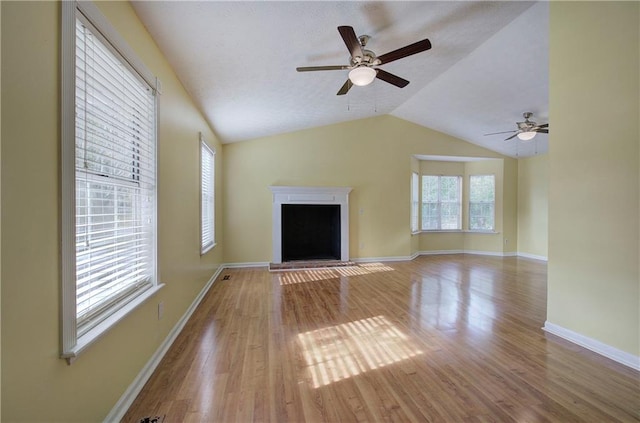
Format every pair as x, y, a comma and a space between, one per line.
114, 186
415, 194
441, 202
115, 180
207, 196
482, 197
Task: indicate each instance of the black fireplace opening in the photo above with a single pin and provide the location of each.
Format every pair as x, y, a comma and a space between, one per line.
310, 232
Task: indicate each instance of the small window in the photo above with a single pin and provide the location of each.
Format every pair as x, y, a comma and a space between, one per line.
415, 199
441, 203
207, 197
482, 199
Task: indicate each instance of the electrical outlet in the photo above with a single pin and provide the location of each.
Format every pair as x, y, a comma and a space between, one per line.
362, 245
506, 241
160, 309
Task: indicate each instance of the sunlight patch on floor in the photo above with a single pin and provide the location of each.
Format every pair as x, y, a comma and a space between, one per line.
343, 351
301, 276
312, 275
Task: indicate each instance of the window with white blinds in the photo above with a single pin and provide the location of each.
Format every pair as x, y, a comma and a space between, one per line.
207, 198
441, 203
113, 222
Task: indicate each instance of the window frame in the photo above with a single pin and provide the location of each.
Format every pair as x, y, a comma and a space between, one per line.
439, 203
73, 343
471, 203
415, 202
207, 151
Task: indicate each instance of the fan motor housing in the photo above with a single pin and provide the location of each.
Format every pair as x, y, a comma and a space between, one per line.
368, 58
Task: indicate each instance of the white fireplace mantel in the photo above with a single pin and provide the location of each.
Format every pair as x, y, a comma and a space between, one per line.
310, 195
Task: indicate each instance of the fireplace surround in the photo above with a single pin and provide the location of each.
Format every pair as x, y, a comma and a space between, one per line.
286, 195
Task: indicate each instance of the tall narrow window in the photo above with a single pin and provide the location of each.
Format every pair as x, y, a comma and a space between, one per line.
482, 199
415, 194
207, 202
109, 182
441, 203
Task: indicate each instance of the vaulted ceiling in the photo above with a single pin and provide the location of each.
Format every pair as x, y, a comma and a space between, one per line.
488, 64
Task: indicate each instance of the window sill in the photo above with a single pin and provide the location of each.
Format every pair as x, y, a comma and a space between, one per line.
440, 231
455, 231
482, 232
207, 249
97, 332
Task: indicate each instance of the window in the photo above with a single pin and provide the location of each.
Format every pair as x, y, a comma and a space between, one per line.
108, 179
415, 194
207, 202
482, 202
441, 206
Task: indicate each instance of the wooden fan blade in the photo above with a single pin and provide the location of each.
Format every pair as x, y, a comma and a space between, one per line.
346, 87
503, 132
542, 131
544, 125
512, 136
351, 41
320, 68
391, 78
405, 51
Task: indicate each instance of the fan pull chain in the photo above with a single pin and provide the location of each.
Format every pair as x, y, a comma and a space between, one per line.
375, 97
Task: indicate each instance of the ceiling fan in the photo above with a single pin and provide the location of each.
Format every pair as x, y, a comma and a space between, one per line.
526, 130
363, 66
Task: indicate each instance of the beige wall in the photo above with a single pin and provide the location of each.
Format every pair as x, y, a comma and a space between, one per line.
593, 281
371, 155
533, 191
37, 384
0, 203
510, 206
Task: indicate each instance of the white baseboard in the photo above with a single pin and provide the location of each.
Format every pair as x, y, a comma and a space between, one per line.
482, 253
476, 252
596, 346
533, 256
488, 253
120, 408
439, 252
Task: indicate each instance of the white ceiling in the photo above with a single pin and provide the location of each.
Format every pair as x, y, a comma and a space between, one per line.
488, 64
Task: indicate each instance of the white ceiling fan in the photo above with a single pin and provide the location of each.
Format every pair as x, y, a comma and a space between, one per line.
526, 130
364, 64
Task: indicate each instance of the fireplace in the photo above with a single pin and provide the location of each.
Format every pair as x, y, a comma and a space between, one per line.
310, 223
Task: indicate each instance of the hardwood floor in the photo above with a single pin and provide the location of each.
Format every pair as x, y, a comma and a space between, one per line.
452, 338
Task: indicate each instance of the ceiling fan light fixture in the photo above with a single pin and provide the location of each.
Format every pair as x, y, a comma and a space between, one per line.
362, 75
526, 136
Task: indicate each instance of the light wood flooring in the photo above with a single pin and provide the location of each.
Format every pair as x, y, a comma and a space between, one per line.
452, 338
